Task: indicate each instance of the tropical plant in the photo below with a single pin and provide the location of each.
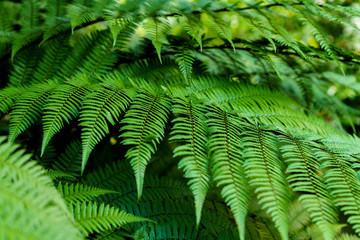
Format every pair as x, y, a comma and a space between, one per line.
185, 120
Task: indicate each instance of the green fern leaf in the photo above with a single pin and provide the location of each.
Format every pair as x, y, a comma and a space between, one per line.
80, 14
190, 128
259, 26
157, 29
23, 39
7, 97
63, 105
221, 28
102, 106
24, 66
28, 108
93, 218
55, 53
144, 127
30, 14
319, 33
117, 24
185, 59
266, 175
55, 23
343, 183
227, 168
102, 57
69, 161
71, 65
193, 27
79, 192
29, 202
305, 177
55, 174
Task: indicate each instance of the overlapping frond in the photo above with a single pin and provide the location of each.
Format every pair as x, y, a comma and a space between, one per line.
30, 207
69, 160
157, 28
79, 192
91, 217
62, 106
227, 164
28, 108
55, 53
305, 177
343, 183
266, 173
101, 107
144, 128
190, 130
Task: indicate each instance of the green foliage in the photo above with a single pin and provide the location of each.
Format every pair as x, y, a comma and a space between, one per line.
30, 207
233, 118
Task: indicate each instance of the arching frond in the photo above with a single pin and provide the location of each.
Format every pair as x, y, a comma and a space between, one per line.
28, 108
93, 218
55, 53
185, 59
305, 178
157, 28
266, 175
63, 105
104, 105
80, 193
80, 14
342, 181
144, 128
190, 129
24, 66
69, 161
227, 167
7, 97
30, 207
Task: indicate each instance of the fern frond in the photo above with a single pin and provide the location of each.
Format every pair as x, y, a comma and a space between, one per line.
343, 183
156, 29
145, 127
266, 175
319, 33
185, 59
79, 192
30, 207
93, 218
58, 28
24, 66
305, 177
193, 27
24, 39
8, 96
55, 53
55, 22
28, 108
62, 106
117, 22
260, 26
102, 57
222, 28
190, 129
30, 14
104, 105
346, 236
224, 142
73, 62
69, 161
80, 14
54, 174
